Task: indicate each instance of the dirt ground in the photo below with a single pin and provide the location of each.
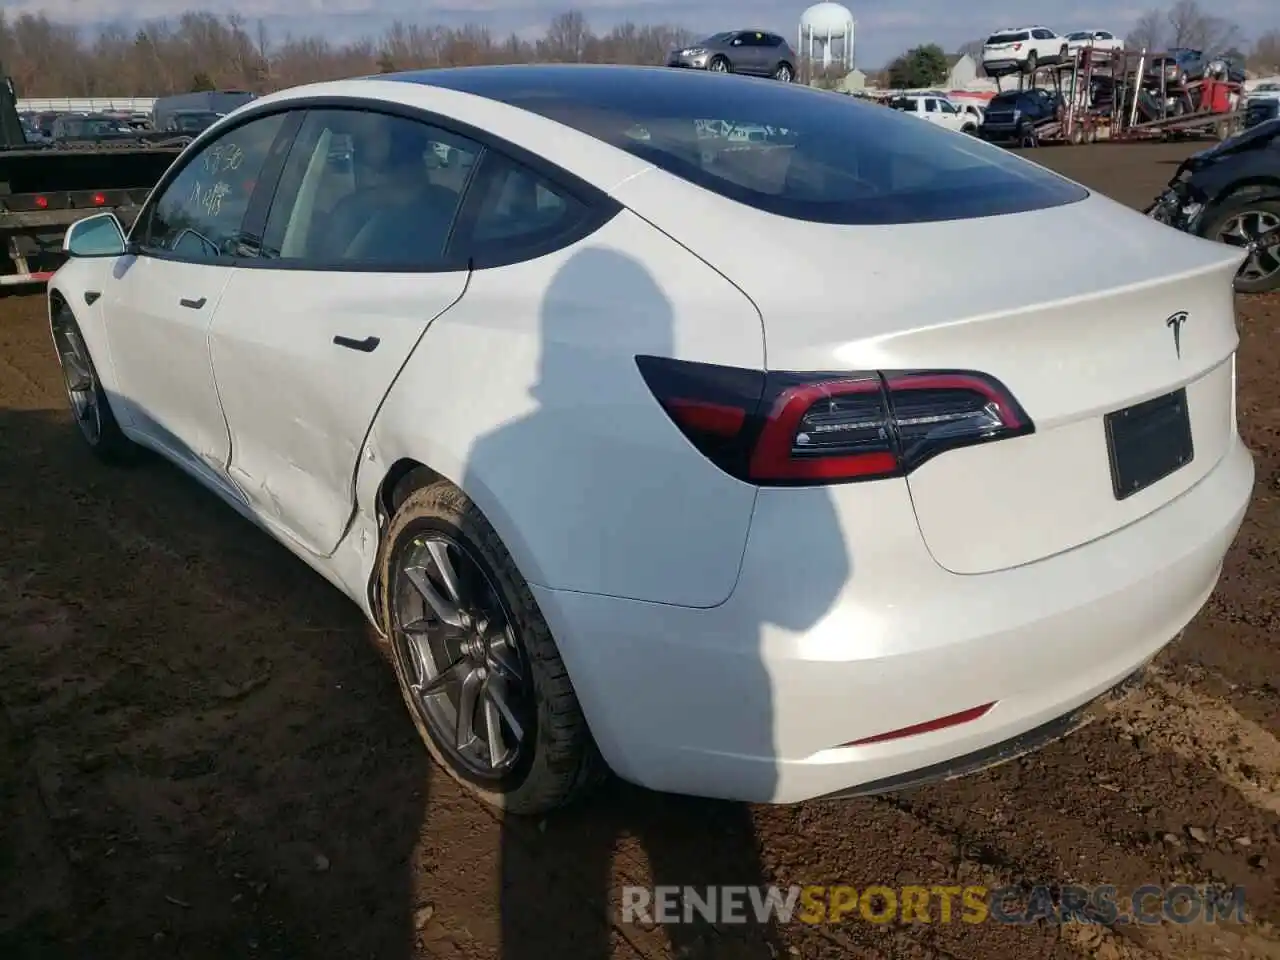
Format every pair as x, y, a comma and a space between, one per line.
203, 754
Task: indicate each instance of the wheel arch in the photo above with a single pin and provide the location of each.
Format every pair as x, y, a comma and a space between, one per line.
1259, 187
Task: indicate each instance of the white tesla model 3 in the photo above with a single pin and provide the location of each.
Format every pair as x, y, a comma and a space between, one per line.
721, 462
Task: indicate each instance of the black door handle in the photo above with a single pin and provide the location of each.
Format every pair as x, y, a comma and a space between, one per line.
193, 304
367, 345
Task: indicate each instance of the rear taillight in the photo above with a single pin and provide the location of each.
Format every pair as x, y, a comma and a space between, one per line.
42, 203
780, 429
1017, 46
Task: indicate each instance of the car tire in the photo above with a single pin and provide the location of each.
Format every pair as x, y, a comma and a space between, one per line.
784, 73
557, 761
1218, 221
1064, 54
970, 128
720, 65
90, 406
1033, 61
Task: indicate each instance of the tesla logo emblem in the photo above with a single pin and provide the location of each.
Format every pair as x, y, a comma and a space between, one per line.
1175, 323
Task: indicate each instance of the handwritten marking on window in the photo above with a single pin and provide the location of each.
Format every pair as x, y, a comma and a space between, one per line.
223, 158
209, 199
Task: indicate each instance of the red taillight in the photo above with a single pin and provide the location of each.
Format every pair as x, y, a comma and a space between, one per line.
99, 199
42, 202
1017, 46
780, 429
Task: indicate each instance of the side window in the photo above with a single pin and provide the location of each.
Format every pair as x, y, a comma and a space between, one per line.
200, 213
947, 107
931, 105
368, 190
1040, 33
1103, 35
516, 213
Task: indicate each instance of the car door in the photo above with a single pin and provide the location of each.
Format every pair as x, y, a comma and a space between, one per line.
308, 341
161, 297
1046, 43
949, 115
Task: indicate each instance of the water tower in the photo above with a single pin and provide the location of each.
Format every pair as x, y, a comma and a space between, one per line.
824, 25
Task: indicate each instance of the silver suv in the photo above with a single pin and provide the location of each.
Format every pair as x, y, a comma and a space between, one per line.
753, 52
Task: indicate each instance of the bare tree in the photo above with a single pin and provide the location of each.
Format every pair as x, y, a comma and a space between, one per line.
198, 48
1266, 53
1193, 26
1148, 32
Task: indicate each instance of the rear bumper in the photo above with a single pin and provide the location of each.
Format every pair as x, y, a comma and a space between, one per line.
843, 627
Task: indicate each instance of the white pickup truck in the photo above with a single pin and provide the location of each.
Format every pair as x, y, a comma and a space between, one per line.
964, 118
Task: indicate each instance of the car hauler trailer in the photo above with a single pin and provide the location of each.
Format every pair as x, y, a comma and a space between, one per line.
44, 188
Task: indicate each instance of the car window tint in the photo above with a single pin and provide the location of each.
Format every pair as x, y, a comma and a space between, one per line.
518, 212
199, 214
368, 189
822, 158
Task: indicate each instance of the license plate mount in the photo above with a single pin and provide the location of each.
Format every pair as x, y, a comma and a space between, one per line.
1147, 442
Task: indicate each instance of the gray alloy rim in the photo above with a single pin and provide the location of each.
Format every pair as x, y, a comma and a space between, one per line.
1243, 230
468, 678
719, 66
784, 74
82, 387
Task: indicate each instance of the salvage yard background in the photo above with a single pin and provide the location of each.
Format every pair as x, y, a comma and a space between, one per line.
203, 754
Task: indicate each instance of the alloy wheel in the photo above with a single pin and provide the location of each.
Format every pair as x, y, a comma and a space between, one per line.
468, 676
1245, 229
82, 386
719, 65
784, 74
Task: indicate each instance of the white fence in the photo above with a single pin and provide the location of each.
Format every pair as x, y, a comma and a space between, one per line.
86, 104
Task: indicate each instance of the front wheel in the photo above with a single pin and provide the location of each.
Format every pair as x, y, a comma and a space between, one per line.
1243, 223
89, 403
719, 65
1033, 61
477, 665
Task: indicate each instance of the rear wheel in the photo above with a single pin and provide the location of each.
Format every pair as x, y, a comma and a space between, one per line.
1241, 223
89, 404
477, 665
784, 73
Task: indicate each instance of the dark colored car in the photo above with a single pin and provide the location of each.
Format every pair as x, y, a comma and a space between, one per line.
190, 122
1185, 65
1014, 115
90, 127
753, 52
1231, 193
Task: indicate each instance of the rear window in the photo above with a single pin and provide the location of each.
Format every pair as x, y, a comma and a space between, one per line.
998, 38
782, 148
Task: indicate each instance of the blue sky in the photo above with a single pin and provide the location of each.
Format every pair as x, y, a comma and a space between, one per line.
885, 27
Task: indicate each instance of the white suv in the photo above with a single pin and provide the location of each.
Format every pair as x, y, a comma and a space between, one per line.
1022, 49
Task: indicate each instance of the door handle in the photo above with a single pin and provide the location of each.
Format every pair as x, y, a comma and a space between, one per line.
367, 345
193, 304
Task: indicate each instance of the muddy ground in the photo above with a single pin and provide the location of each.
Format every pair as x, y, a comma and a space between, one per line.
202, 753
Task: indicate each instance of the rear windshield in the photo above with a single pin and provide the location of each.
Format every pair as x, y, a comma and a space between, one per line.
807, 154
997, 38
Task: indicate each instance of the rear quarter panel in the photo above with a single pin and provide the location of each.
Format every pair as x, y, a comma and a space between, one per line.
526, 395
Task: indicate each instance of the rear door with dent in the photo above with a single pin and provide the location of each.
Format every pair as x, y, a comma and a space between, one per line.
309, 339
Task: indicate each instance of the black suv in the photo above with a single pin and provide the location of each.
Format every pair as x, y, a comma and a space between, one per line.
1015, 115
752, 52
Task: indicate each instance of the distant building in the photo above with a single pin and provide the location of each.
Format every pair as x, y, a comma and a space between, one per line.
962, 70
852, 82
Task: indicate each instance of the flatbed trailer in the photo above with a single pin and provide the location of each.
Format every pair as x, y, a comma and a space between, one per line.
1107, 95
46, 188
